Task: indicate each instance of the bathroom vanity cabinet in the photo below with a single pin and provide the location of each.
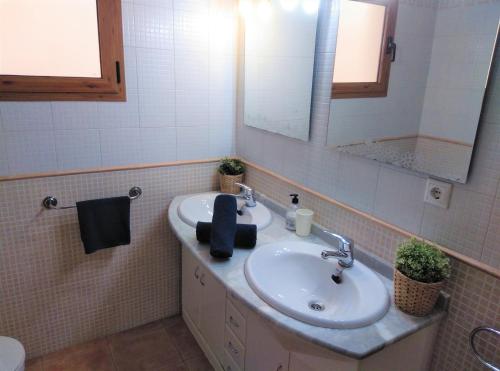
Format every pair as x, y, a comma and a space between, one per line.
235, 338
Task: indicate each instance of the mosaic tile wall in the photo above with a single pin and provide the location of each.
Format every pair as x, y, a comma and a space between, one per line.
53, 295
180, 72
474, 294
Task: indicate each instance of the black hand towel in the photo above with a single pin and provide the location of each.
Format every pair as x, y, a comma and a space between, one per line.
223, 227
104, 223
246, 234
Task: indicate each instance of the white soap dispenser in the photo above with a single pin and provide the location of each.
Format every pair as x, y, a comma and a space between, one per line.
292, 212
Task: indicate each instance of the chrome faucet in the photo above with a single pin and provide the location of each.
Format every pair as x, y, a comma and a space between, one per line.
345, 255
247, 194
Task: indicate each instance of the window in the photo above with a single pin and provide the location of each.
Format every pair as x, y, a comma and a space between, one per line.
365, 48
61, 50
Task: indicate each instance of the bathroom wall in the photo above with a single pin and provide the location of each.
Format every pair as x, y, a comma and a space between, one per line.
180, 61
52, 295
180, 69
393, 195
470, 225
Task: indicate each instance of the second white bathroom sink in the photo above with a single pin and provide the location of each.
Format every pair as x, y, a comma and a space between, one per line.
200, 208
292, 277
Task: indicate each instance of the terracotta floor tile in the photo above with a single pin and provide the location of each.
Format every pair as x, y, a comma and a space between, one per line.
91, 356
146, 348
199, 364
183, 339
34, 364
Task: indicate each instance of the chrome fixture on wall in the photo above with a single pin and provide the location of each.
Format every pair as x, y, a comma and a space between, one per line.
50, 202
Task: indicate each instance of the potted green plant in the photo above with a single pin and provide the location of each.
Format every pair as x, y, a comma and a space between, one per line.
419, 274
231, 171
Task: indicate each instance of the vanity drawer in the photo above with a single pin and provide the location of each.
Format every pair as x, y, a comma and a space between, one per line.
234, 348
228, 363
235, 321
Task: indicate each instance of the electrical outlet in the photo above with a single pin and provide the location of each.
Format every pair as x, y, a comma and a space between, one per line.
437, 193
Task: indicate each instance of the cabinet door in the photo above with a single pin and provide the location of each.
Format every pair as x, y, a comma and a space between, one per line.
213, 313
263, 351
191, 287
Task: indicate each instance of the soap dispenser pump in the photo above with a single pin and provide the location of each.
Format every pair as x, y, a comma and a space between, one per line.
292, 212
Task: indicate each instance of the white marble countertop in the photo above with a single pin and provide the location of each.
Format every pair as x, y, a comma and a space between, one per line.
356, 343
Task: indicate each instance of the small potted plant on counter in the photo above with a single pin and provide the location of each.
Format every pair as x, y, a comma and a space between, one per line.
231, 171
419, 274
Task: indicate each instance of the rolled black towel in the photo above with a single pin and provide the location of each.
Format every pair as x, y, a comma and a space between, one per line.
223, 227
246, 234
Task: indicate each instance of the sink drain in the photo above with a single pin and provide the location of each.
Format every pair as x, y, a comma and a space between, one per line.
316, 306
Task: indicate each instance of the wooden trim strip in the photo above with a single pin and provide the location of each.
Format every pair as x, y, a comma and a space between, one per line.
463, 258
106, 169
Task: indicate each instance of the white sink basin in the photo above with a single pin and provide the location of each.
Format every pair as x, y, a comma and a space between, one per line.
200, 208
292, 277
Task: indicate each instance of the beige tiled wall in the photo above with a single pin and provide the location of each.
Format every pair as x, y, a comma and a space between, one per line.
52, 294
474, 294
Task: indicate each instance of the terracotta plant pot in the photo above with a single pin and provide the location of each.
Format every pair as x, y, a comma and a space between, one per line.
227, 183
414, 297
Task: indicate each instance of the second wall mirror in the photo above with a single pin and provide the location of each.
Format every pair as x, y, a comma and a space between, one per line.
409, 81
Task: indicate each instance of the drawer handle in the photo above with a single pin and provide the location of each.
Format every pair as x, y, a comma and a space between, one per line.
233, 322
196, 275
280, 367
232, 348
202, 279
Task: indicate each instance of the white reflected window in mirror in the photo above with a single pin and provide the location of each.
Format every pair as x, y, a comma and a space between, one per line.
61, 50
365, 48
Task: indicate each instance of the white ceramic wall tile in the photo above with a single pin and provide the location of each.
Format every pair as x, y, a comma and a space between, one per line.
120, 146
399, 198
193, 142
491, 251
157, 107
191, 25
74, 115
160, 3
155, 69
119, 114
191, 70
21, 116
130, 67
158, 144
463, 226
31, 152
153, 27
222, 75
221, 141
4, 160
191, 108
78, 149
128, 24
357, 182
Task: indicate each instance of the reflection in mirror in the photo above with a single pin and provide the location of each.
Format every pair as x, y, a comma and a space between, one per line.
280, 38
58, 38
429, 118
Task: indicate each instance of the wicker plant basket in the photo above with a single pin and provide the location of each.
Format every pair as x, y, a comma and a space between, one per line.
413, 297
227, 183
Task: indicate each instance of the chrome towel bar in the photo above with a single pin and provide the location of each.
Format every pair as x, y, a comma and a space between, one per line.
50, 202
472, 335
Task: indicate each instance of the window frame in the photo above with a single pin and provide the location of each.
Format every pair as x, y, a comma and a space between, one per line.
381, 86
109, 87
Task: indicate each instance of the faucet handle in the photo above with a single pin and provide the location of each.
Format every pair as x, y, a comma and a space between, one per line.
244, 186
346, 244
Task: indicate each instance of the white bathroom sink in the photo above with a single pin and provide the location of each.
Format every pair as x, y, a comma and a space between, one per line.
200, 208
292, 277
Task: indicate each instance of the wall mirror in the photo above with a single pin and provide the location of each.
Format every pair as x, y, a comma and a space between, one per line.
435, 57
280, 37
61, 50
